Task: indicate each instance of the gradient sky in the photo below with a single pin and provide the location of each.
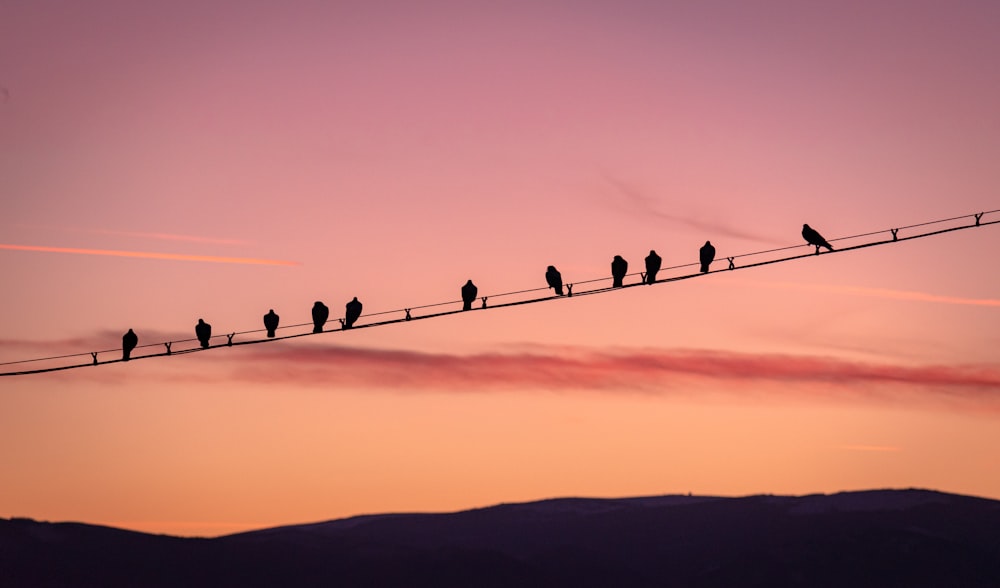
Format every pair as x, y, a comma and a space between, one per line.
162, 162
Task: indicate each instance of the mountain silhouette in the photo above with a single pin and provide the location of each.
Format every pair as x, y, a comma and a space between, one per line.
884, 538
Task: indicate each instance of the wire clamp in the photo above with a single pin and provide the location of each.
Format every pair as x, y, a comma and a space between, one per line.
732, 265
168, 344
570, 288
408, 317
230, 339
978, 216
94, 355
894, 231
484, 301
343, 324
643, 276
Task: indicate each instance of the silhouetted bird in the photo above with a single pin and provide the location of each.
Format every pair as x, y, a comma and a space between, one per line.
707, 255
619, 267
320, 314
814, 238
204, 332
352, 313
653, 262
469, 292
554, 279
271, 322
129, 341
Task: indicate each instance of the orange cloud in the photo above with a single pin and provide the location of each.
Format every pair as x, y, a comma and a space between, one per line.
149, 255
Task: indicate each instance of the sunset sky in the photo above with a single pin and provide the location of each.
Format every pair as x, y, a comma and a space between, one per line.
162, 162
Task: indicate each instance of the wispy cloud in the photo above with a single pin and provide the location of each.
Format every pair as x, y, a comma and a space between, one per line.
103, 339
906, 295
689, 373
637, 202
669, 372
149, 255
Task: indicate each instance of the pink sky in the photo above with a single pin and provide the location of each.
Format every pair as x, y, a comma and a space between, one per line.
393, 150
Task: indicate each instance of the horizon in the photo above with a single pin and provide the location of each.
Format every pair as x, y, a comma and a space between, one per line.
170, 162
539, 501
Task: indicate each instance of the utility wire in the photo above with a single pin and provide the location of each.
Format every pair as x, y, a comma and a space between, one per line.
895, 238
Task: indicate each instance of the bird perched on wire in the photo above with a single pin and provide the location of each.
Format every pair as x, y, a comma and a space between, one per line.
204, 332
469, 293
554, 279
619, 267
129, 341
653, 262
320, 313
814, 238
352, 313
706, 255
271, 322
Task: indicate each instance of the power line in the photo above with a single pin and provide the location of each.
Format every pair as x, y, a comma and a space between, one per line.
168, 345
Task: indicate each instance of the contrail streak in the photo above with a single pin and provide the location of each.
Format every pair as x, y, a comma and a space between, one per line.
886, 293
873, 448
646, 206
149, 255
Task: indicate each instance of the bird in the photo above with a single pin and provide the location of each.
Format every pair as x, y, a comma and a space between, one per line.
619, 267
554, 279
204, 332
814, 238
271, 322
653, 262
469, 292
352, 313
320, 313
707, 255
129, 341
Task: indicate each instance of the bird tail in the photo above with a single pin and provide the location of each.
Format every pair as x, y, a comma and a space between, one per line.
828, 246
704, 268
